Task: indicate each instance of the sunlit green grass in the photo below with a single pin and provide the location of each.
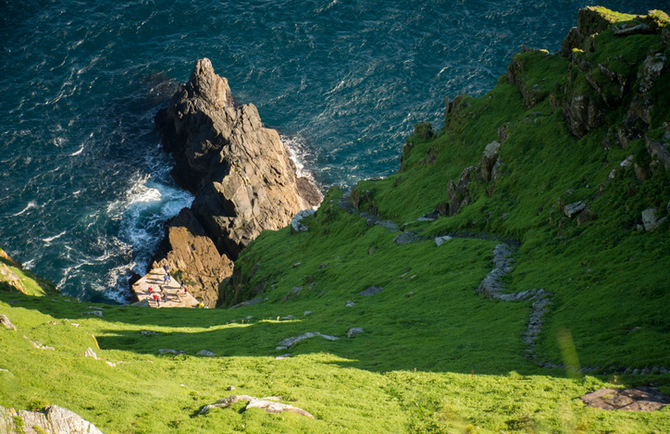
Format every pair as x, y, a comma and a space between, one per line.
434, 356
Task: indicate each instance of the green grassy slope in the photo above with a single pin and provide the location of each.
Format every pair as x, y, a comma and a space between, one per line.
440, 360
610, 279
434, 356
14, 278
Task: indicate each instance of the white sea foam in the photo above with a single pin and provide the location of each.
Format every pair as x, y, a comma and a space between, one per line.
30, 205
48, 240
77, 152
298, 152
146, 206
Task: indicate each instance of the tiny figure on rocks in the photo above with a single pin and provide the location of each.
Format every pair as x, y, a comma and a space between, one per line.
166, 279
179, 293
157, 300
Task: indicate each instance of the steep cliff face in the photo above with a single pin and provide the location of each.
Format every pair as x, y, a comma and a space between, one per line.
240, 172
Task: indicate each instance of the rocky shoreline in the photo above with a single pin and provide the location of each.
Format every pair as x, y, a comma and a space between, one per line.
241, 174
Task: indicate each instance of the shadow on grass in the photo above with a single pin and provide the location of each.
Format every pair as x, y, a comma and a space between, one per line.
485, 341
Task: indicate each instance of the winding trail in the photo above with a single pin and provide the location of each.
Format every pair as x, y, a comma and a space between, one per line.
492, 287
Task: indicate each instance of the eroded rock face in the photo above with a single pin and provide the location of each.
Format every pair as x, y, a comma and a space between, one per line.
589, 22
240, 172
187, 248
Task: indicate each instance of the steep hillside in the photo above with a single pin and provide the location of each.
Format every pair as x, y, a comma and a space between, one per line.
14, 278
567, 157
518, 260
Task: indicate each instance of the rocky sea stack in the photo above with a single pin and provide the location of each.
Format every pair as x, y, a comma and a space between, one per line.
241, 173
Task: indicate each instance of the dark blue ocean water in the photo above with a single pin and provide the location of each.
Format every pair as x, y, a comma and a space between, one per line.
84, 186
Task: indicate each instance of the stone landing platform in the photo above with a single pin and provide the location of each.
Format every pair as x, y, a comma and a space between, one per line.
172, 295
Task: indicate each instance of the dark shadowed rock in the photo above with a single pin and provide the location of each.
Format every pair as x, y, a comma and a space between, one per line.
532, 94
371, 291
658, 152
589, 22
583, 113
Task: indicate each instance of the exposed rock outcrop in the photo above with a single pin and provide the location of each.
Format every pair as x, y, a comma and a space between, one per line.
585, 107
296, 222
289, 342
54, 420
7, 323
268, 404
589, 22
532, 93
240, 172
638, 399
187, 248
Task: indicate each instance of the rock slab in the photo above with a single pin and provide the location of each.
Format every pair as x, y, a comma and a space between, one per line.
4, 320
268, 404
55, 420
289, 342
638, 399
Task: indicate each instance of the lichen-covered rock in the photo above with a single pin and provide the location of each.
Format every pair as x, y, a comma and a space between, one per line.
572, 209
658, 152
489, 159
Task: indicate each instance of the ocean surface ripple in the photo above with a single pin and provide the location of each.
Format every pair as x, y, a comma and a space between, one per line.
85, 186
